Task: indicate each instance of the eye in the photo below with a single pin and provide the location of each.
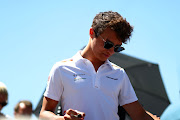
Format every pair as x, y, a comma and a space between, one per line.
110, 42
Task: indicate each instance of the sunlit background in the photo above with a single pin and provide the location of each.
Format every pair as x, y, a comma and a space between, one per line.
34, 34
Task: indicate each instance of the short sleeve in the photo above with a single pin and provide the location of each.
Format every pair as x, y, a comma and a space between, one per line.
54, 87
127, 94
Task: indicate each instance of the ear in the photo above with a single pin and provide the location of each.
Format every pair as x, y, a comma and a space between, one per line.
91, 33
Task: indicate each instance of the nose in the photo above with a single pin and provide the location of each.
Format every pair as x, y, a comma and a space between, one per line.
111, 51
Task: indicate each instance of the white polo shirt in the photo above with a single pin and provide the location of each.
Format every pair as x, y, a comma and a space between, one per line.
78, 86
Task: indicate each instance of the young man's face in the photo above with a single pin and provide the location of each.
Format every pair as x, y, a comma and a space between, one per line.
101, 53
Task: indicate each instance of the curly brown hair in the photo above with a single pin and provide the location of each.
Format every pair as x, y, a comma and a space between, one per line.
114, 21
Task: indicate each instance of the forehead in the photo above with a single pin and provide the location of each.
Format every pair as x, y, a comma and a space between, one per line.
111, 35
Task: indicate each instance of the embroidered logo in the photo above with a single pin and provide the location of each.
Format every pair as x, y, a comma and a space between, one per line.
78, 77
112, 78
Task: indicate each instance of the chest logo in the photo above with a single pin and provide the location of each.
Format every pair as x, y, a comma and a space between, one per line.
111, 78
78, 77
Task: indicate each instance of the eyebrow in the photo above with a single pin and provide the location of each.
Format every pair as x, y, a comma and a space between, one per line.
112, 42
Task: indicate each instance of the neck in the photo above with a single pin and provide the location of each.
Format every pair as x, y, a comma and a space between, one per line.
88, 54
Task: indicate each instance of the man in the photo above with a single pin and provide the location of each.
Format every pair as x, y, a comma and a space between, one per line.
3, 100
88, 85
23, 109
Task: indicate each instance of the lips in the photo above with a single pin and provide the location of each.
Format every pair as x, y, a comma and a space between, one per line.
106, 55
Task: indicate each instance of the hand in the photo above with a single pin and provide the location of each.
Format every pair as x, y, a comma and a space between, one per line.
155, 117
71, 114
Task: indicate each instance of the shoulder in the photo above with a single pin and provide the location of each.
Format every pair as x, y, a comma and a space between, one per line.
116, 67
8, 117
64, 62
4, 116
58, 65
119, 70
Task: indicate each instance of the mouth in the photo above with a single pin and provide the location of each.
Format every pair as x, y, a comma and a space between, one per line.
106, 55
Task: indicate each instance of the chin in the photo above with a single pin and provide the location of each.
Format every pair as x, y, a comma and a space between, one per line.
103, 59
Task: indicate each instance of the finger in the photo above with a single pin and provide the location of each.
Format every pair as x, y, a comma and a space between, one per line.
83, 114
75, 114
67, 117
72, 117
71, 112
80, 114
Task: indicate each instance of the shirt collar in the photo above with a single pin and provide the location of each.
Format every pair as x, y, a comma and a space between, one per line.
78, 58
109, 64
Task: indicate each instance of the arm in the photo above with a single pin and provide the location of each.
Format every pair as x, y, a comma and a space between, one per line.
137, 112
48, 107
153, 116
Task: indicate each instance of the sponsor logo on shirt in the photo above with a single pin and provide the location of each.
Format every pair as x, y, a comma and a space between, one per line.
79, 77
112, 78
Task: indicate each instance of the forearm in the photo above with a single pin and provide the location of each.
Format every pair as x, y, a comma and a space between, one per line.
137, 112
153, 116
47, 109
142, 117
48, 115
148, 117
